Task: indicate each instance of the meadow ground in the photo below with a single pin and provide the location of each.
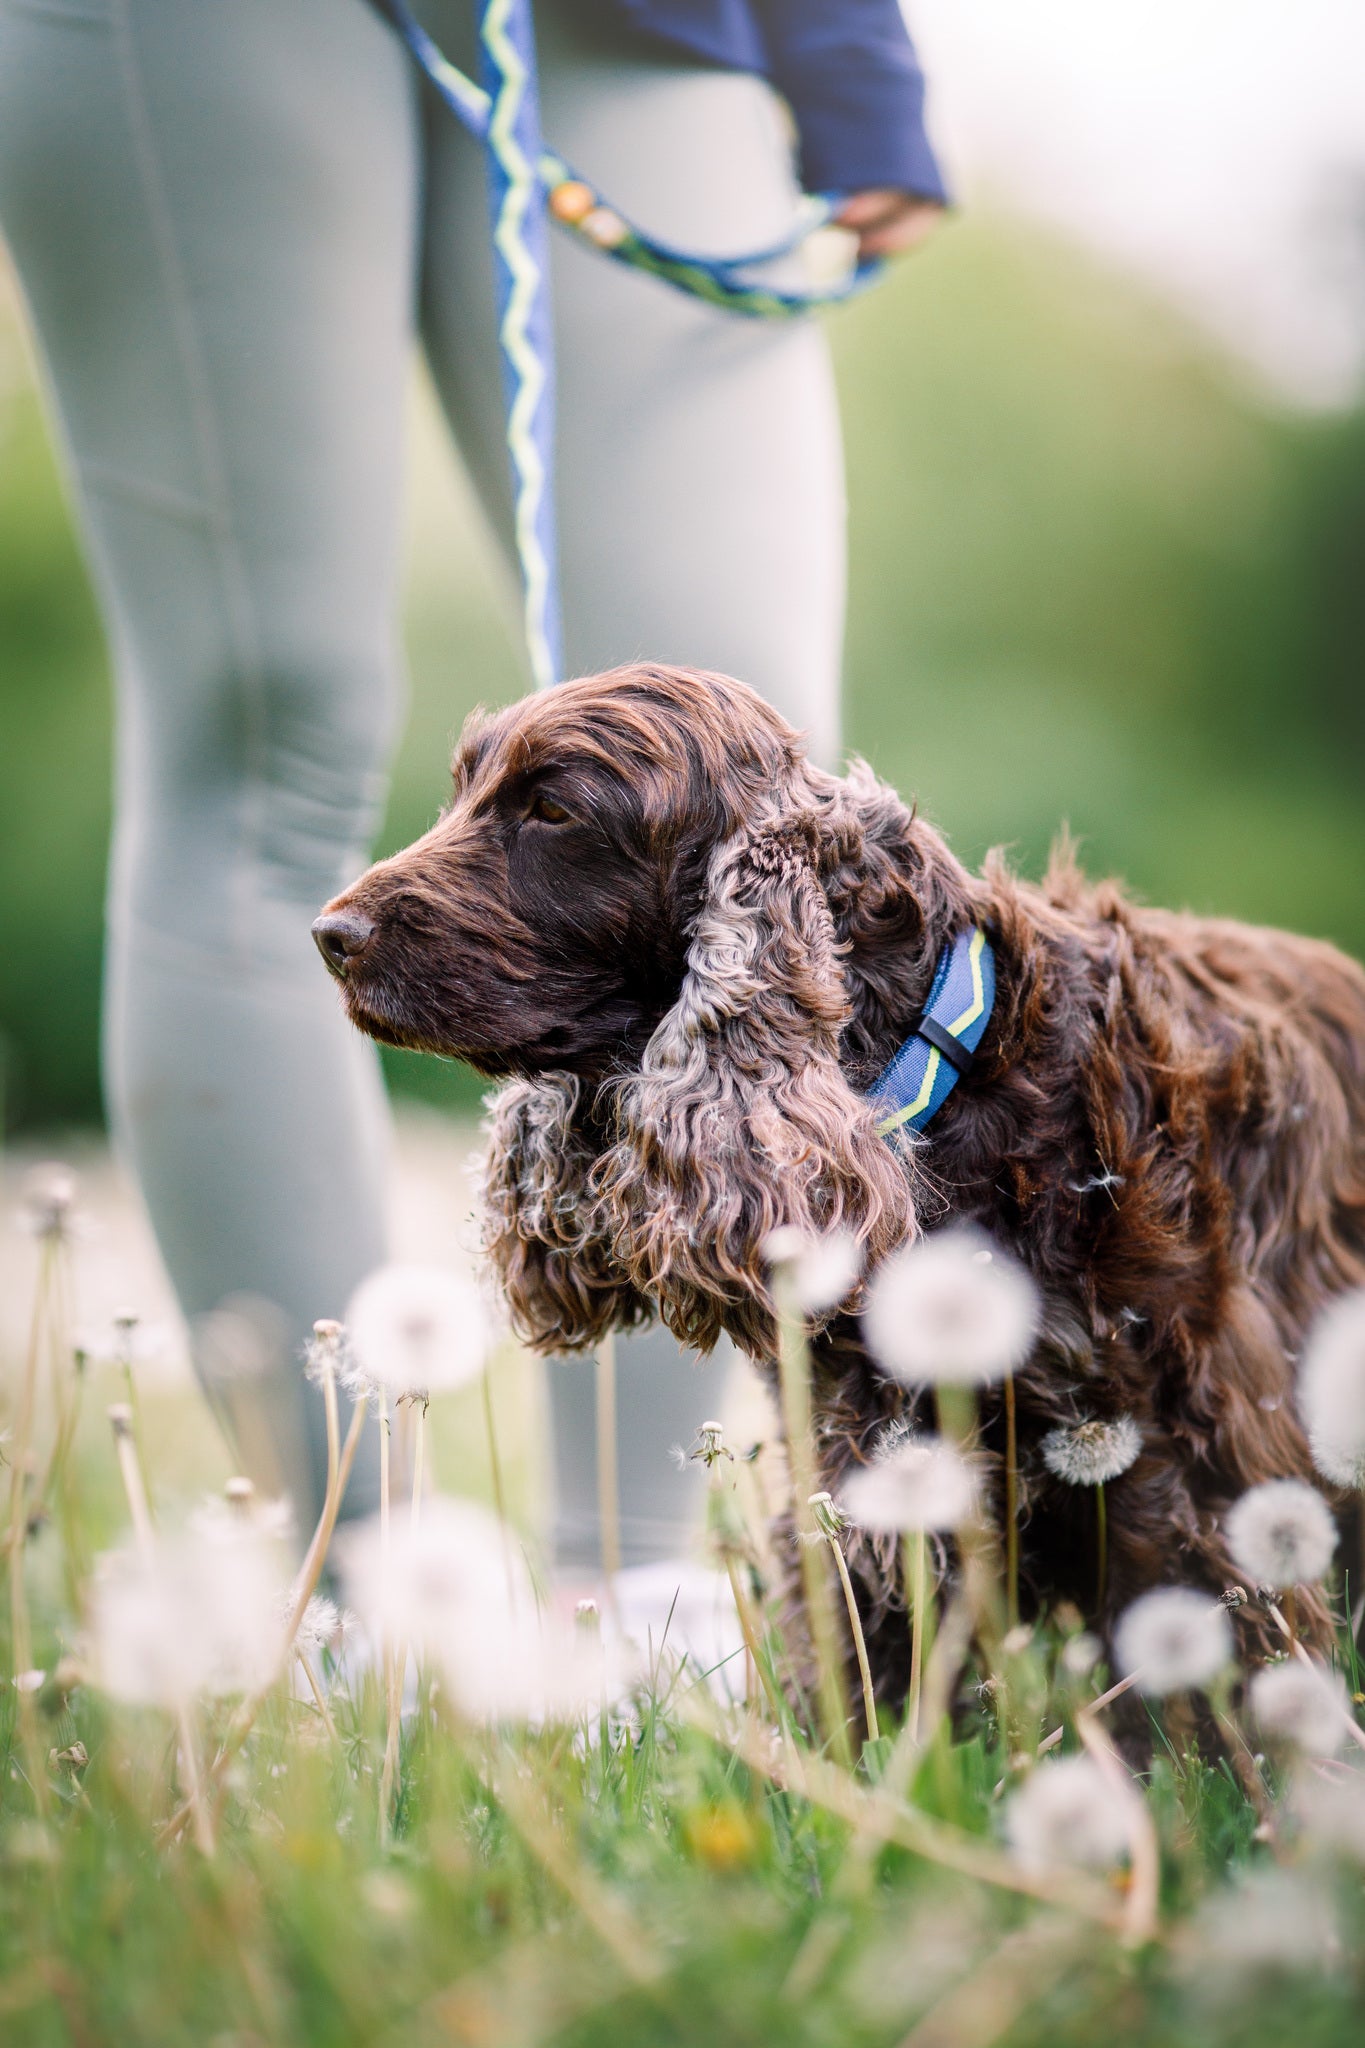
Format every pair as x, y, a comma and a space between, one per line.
651, 1867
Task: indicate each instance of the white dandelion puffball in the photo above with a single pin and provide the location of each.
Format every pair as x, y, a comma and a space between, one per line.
1281, 1534
1092, 1453
200, 1616
1331, 1811
820, 1271
1332, 1391
950, 1308
457, 1592
1175, 1640
1267, 1921
417, 1330
1301, 1704
919, 1484
1070, 1813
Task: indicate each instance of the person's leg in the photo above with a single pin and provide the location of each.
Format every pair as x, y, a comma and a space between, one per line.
212, 212
701, 517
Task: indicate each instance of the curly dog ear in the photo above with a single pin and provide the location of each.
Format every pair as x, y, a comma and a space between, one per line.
546, 1233
739, 1118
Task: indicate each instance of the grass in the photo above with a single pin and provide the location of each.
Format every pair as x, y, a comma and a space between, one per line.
672, 1873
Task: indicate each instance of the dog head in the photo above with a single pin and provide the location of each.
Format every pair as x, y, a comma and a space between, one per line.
631, 886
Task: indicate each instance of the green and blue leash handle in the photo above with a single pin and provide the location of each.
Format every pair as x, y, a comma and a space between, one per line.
527, 184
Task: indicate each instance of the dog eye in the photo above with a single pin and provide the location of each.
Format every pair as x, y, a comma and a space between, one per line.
547, 810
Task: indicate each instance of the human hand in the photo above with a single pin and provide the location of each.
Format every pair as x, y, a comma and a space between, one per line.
888, 223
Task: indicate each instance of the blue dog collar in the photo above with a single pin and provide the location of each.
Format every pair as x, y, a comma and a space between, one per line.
942, 1045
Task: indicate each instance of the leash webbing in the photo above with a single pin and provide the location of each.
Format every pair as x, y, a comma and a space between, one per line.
525, 180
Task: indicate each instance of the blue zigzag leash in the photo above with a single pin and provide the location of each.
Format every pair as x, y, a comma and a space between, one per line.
525, 181
942, 1045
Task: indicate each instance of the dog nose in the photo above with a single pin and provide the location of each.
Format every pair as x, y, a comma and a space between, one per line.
340, 935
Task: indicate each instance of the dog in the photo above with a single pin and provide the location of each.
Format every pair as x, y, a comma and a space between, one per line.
689, 953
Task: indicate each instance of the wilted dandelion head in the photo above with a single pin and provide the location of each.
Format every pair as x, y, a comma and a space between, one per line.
1092, 1453
1302, 1705
1281, 1534
950, 1308
1332, 1391
709, 1446
1175, 1640
416, 1330
819, 1271
1070, 1813
829, 1519
920, 1483
324, 1355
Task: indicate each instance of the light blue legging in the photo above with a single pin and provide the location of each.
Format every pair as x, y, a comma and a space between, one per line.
228, 217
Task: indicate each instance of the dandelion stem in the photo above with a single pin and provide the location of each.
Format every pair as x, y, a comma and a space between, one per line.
859, 1640
1092, 1707
319, 1696
1296, 1649
914, 1566
495, 1475
392, 1691
134, 1484
135, 1489
1011, 1506
876, 1811
1101, 1548
794, 1381
608, 1496
21, 1644
1141, 1903
329, 1404
418, 1451
305, 1585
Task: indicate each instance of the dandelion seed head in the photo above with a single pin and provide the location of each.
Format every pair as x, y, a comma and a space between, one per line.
1331, 1391
319, 1625
1268, 1921
1331, 1811
200, 1616
1175, 1640
1281, 1533
444, 1589
1302, 1705
417, 1330
47, 1200
1080, 1654
820, 1271
921, 1484
1070, 1813
1092, 1453
949, 1308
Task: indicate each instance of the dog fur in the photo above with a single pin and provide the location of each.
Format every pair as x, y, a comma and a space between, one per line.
693, 951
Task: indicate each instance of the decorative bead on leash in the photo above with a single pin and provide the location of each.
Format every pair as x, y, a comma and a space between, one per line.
525, 181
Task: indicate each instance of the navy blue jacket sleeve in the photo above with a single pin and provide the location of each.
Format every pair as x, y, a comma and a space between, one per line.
850, 73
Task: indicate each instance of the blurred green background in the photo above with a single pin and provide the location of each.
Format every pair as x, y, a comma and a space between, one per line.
1095, 578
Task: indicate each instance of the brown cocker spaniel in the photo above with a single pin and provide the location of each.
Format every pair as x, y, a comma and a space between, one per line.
694, 952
